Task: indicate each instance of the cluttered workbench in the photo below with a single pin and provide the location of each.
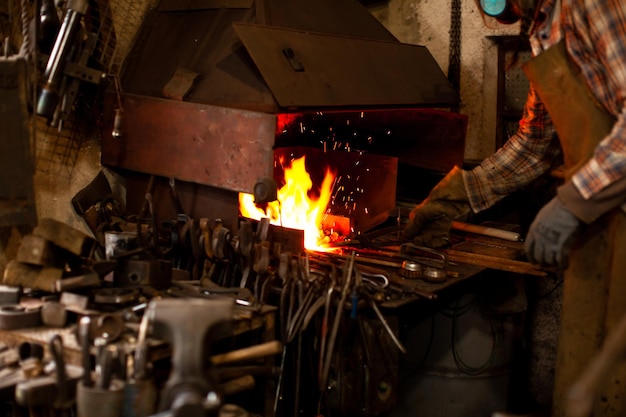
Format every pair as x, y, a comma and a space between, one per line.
128, 320
92, 327
262, 320
101, 353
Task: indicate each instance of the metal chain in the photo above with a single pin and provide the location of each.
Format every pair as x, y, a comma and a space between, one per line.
26, 48
454, 62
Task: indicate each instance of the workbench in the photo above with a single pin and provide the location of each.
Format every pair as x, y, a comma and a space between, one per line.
263, 320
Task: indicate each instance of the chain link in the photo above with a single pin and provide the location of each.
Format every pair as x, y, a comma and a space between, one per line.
454, 62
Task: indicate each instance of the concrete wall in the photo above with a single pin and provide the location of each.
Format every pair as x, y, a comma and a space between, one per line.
427, 22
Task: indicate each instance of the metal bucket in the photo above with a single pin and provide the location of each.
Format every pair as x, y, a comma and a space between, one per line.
459, 362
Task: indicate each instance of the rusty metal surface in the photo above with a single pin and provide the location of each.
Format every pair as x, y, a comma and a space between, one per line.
17, 195
341, 17
221, 147
204, 41
424, 138
306, 69
180, 5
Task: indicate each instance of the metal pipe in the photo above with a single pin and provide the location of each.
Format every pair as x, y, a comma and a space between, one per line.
66, 39
84, 326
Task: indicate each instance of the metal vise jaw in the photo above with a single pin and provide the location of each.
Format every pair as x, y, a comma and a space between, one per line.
186, 324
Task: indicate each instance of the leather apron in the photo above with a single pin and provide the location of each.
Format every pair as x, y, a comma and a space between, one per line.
595, 281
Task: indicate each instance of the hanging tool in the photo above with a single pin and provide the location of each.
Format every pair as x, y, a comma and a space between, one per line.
347, 279
67, 39
322, 356
295, 324
246, 243
386, 326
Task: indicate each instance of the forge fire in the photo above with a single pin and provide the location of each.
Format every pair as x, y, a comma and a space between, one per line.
300, 205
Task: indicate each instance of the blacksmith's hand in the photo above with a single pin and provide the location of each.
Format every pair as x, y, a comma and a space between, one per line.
430, 222
551, 235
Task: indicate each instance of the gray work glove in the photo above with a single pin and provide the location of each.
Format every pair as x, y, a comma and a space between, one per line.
430, 222
551, 235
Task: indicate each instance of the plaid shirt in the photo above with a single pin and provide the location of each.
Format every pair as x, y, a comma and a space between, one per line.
595, 35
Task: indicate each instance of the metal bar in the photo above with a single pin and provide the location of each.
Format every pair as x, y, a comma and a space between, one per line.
495, 262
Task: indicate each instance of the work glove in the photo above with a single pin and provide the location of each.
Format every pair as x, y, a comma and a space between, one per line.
430, 222
551, 235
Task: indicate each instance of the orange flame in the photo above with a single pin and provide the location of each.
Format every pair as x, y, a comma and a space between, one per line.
295, 209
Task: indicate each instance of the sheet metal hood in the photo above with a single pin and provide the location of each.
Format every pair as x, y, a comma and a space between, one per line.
207, 84
280, 55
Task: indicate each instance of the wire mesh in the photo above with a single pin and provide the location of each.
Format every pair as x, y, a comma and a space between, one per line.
127, 18
116, 23
56, 150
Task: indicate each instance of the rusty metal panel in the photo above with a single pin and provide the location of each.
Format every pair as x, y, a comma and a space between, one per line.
217, 146
340, 17
306, 69
424, 138
17, 194
186, 5
203, 40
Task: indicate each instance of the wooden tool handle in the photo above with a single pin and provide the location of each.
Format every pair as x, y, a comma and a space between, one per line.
257, 351
487, 231
234, 386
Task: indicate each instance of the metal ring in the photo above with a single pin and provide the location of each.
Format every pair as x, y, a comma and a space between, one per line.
15, 316
435, 275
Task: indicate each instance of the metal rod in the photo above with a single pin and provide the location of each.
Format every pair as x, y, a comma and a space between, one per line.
386, 326
333, 334
487, 231
83, 333
141, 350
495, 262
